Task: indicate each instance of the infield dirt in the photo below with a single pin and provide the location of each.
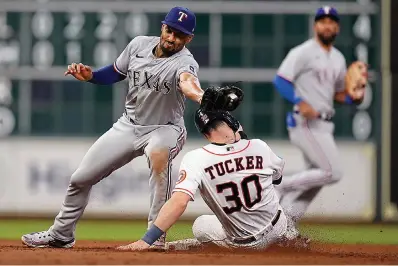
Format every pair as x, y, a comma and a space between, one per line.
101, 252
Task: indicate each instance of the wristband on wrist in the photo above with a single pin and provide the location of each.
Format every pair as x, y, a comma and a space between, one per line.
153, 234
348, 99
93, 80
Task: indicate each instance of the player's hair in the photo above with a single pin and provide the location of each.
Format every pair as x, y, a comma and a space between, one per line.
206, 121
213, 125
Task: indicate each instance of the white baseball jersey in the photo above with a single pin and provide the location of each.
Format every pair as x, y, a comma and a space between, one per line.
154, 96
316, 73
235, 181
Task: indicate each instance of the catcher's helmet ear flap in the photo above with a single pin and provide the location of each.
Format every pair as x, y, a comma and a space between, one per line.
204, 118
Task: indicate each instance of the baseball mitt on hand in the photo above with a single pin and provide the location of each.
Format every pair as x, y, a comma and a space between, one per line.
225, 98
355, 80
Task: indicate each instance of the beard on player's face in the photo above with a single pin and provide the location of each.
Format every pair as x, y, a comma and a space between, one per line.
326, 30
169, 48
172, 41
327, 39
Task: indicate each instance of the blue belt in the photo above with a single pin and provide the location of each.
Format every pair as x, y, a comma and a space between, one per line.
134, 123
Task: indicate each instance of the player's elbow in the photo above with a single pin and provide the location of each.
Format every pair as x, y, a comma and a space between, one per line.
333, 176
82, 178
180, 201
182, 204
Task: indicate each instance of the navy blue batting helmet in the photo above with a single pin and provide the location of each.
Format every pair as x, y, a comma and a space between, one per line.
204, 118
327, 11
181, 19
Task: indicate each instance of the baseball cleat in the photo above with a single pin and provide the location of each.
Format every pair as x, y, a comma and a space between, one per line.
45, 240
184, 244
160, 244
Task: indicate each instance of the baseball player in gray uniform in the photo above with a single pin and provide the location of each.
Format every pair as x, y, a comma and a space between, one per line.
312, 77
161, 72
235, 177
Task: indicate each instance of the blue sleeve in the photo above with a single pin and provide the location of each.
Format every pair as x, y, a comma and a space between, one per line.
286, 89
106, 76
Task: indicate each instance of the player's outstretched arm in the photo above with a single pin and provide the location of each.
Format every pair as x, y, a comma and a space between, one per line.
172, 210
103, 76
184, 191
190, 87
168, 215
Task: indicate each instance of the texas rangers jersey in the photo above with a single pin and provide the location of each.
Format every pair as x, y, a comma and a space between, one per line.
154, 96
316, 73
235, 181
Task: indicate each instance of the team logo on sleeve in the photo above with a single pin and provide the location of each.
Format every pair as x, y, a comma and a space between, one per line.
192, 69
181, 177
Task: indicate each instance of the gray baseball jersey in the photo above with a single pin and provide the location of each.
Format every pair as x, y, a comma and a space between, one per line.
235, 181
154, 97
316, 74
155, 104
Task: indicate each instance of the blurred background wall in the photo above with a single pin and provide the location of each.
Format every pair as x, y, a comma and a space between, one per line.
48, 121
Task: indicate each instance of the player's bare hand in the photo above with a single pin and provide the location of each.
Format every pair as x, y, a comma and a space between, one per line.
79, 71
139, 245
307, 111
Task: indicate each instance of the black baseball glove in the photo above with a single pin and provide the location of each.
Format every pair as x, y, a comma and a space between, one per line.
225, 98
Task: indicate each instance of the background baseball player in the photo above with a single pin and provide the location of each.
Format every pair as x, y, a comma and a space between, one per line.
312, 76
161, 72
234, 176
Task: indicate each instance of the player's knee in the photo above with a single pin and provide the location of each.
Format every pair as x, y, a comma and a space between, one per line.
333, 175
337, 174
80, 178
159, 159
200, 228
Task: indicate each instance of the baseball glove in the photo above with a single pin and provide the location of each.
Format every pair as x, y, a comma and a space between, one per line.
355, 81
225, 98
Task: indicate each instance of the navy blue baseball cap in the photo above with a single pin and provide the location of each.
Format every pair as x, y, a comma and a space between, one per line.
182, 19
327, 11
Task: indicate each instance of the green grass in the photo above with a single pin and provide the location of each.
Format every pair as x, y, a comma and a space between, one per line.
131, 230
92, 230
353, 233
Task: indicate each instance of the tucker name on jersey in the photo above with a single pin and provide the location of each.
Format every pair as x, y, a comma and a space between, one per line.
234, 165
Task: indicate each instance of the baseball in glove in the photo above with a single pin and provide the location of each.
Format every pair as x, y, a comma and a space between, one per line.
355, 81
225, 98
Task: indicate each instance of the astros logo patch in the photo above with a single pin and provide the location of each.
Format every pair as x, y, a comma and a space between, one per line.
181, 176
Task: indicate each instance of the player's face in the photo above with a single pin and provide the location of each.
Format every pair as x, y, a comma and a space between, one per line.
172, 41
221, 134
326, 29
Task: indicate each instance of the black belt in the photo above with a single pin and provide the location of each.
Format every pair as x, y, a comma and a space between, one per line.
252, 239
132, 121
324, 116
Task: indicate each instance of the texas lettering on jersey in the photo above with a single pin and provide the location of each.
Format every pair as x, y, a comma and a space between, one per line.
154, 96
146, 80
316, 75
